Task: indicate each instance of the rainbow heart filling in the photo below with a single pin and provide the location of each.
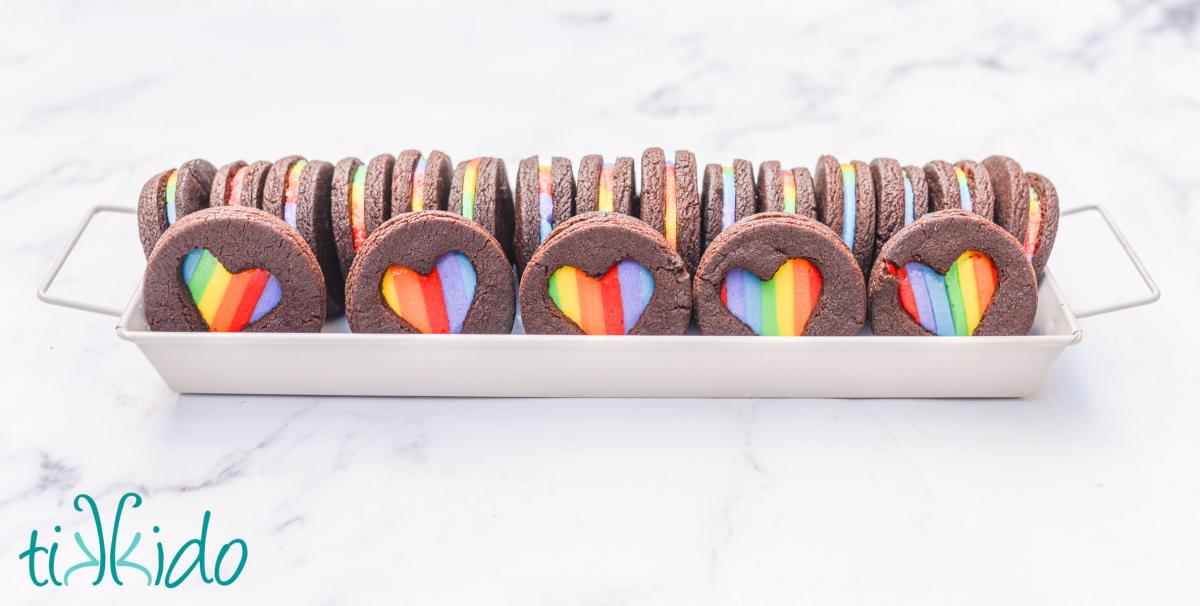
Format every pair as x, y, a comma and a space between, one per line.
788, 182
1035, 224
604, 202
611, 305
357, 210
418, 185
233, 187
169, 196
434, 303
291, 192
780, 306
949, 305
670, 206
849, 204
545, 179
470, 178
908, 198
228, 302
728, 197
964, 189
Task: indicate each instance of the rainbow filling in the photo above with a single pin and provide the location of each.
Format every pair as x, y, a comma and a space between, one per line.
949, 305
849, 205
233, 187
670, 207
291, 193
1035, 224
228, 302
964, 189
909, 211
545, 201
169, 196
358, 221
611, 305
470, 178
780, 306
728, 197
435, 303
788, 182
418, 185
604, 201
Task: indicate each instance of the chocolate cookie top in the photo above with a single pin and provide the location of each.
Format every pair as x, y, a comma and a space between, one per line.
779, 274
480, 193
545, 197
420, 183
846, 203
786, 190
605, 274
231, 269
172, 195
951, 273
239, 184
728, 196
359, 191
298, 191
670, 202
606, 187
964, 185
430, 272
901, 197
1025, 206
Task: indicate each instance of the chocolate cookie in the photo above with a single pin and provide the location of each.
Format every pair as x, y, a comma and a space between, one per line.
239, 184
419, 183
901, 197
605, 274
230, 269
779, 274
728, 195
430, 272
846, 203
964, 185
545, 198
297, 191
786, 190
951, 273
606, 187
670, 202
172, 195
1027, 206
359, 191
480, 192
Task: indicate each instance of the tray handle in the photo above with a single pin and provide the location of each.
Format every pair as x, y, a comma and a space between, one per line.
43, 292
1153, 294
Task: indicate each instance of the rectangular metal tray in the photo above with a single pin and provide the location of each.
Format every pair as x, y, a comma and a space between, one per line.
336, 362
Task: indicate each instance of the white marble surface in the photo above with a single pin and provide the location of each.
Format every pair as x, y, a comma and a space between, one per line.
1087, 493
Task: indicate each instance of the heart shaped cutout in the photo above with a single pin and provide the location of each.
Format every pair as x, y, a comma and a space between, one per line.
952, 304
611, 305
228, 302
780, 306
436, 302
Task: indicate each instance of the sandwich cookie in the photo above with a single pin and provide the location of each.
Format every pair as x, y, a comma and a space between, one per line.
952, 273
965, 185
670, 202
846, 203
297, 191
605, 274
606, 187
779, 274
1027, 206
239, 184
231, 269
360, 202
545, 198
900, 197
420, 183
172, 195
786, 190
728, 194
480, 193
432, 273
